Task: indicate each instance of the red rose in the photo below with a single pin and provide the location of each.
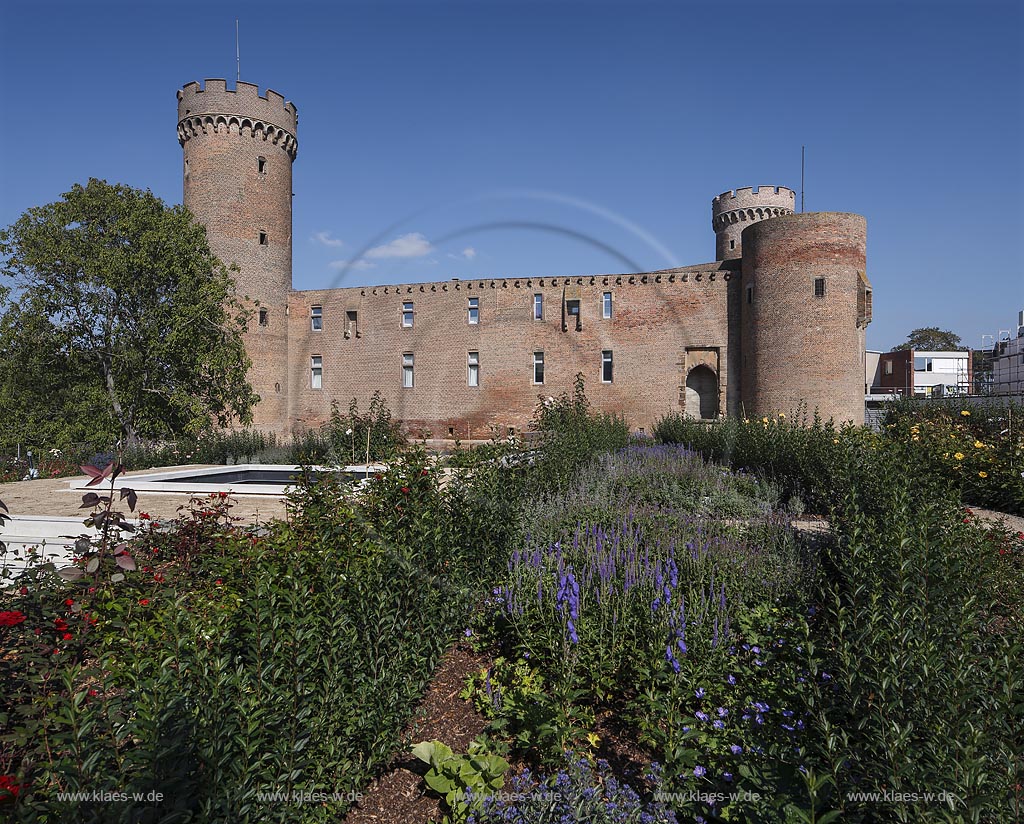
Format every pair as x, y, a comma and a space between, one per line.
93, 693
144, 601
68, 636
9, 786
60, 623
424, 472
70, 602
405, 490
219, 582
12, 618
24, 590
143, 516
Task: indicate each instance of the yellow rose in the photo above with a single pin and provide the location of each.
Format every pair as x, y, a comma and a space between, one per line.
965, 413
959, 456
979, 445
765, 420
982, 474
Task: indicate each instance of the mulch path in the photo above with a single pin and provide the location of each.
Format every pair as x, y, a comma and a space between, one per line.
398, 796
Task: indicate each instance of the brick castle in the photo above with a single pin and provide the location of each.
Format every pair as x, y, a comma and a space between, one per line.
775, 323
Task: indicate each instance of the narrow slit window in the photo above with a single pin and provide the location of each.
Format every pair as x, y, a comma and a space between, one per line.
606, 366
407, 365
473, 310
819, 287
264, 317
351, 323
316, 318
316, 372
473, 369
261, 165
263, 238
538, 367
606, 305
538, 307
750, 295
407, 314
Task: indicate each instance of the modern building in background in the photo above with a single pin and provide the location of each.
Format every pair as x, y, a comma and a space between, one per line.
924, 374
776, 323
1007, 359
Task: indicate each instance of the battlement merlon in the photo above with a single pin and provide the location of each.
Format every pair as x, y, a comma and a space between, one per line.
244, 100
752, 197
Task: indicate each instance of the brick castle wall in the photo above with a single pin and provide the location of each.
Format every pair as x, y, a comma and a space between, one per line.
662, 325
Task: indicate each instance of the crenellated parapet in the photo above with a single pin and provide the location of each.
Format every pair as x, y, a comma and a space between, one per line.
243, 111
733, 211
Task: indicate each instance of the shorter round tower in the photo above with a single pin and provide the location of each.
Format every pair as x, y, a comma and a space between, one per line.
734, 211
804, 306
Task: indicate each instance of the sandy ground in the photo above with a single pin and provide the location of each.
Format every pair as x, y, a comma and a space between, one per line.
55, 497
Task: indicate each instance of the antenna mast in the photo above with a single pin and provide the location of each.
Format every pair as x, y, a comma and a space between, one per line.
238, 55
802, 178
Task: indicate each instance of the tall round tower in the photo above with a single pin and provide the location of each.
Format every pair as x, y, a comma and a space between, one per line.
238, 151
734, 211
805, 302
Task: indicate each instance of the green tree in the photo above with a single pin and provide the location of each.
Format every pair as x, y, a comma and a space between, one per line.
931, 339
118, 321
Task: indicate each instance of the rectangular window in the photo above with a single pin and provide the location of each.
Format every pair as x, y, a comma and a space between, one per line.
316, 372
538, 307
473, 373
407, 314
261, 165
474, 311
819, 287
316, 318
538, 367
606, 305
407, 363
606, 366
263, 238
264, 317
351, 321
572, 308
750, 295
922, 364
888, 367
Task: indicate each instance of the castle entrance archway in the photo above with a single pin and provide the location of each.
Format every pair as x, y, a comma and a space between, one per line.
701, 393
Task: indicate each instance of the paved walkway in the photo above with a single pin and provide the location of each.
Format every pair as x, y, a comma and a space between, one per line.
54, 497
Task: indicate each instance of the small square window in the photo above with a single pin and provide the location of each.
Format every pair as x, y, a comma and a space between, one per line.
264, 317
606, 305
316, 372
407, 364
407, 314
473, 311
316, 318
819, 287
538, 307
572, 307
473, 367
606, 366
263, 238
538, 367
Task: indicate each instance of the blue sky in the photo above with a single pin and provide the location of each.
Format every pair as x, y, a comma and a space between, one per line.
430, 134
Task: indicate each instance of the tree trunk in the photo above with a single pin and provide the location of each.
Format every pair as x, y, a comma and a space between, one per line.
127, 429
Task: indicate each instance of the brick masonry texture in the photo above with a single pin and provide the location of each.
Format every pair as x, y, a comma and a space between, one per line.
785, 349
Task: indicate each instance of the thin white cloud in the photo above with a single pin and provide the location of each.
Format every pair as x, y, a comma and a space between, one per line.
411, 245
466, 254
325, 239
351, 264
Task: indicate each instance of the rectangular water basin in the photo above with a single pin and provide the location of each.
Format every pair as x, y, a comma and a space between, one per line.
241, 479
